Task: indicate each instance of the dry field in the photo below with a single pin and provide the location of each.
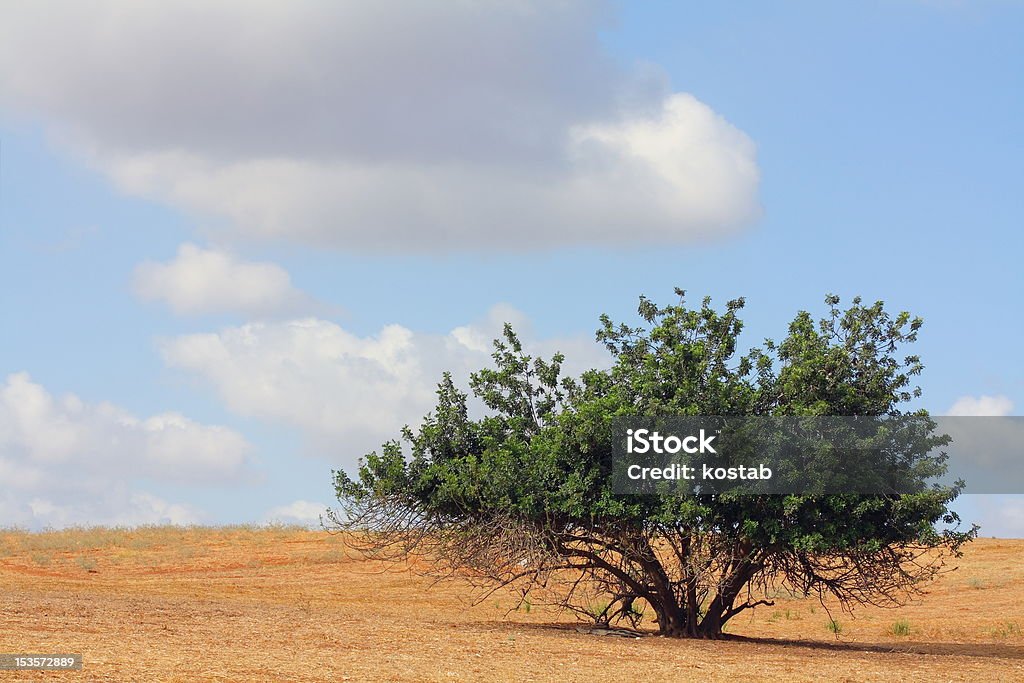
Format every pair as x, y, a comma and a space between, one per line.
284, 604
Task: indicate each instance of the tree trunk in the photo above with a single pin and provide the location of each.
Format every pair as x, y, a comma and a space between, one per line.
675, 621
711, 626
672, 621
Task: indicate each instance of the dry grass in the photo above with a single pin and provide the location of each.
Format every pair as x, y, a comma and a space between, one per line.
280, 603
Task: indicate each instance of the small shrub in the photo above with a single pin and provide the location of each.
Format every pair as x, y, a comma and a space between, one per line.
42, 559
86, 563
900, 628
834, 627
599, 611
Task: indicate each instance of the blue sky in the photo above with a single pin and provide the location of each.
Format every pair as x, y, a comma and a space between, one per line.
261, 251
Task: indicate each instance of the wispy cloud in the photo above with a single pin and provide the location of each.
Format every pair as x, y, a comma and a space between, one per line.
199, 281
975, 406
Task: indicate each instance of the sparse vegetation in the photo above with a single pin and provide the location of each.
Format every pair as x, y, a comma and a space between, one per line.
900, 627
787, 614
1007, 629
86, 563
146, 546
42, 559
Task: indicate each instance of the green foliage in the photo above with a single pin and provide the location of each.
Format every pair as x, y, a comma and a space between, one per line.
528, 485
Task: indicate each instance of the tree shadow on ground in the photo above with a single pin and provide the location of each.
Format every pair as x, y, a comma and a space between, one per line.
987, 650
981, 650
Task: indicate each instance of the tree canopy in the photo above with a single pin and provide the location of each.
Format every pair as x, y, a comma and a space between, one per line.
521, 495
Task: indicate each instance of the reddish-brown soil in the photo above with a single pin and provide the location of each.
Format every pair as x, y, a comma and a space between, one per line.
243, 604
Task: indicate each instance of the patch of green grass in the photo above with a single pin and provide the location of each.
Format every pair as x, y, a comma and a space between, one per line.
834, 627
900, 627
1007, 629
788, 615
976, 583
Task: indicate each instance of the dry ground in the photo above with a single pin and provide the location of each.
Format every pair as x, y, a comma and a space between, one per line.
283, 604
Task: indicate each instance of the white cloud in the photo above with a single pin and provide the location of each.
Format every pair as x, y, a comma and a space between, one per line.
343, 389
1001, 516
98, 505
975, 406
64, 461
298, 512
202, 281
381, 125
